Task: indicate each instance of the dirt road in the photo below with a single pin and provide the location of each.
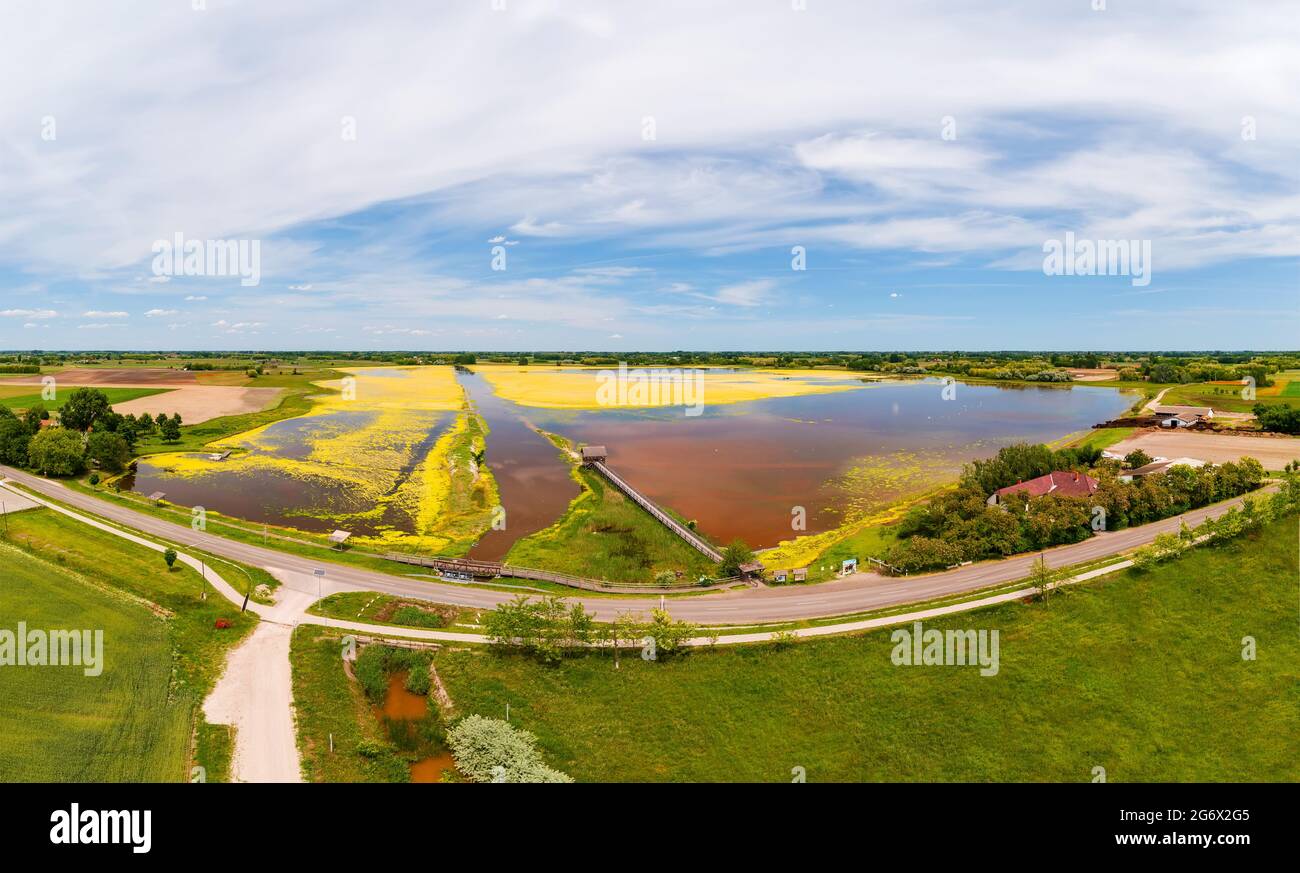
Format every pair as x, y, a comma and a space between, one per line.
255, 695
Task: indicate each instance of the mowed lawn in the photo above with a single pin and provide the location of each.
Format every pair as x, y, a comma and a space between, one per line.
1141, 674
136, 724
57, 724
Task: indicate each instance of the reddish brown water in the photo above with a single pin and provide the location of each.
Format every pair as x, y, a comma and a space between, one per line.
430, 769
532, 475
740, 471
400, 703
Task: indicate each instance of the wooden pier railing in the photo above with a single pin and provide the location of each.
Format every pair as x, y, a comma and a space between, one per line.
692, 538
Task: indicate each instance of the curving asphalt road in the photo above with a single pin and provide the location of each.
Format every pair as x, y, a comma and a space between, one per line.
857, 593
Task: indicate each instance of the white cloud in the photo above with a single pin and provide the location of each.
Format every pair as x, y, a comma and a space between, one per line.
196, 297
1136, 132
753, 293
97, 313
155, 313
28, 313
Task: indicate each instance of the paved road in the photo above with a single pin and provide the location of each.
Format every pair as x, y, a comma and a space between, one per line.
857, 593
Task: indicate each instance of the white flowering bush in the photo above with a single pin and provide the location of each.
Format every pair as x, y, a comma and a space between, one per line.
492, 750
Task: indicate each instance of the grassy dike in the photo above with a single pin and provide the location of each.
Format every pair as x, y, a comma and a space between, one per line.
1141, 673
604, 535
140, 720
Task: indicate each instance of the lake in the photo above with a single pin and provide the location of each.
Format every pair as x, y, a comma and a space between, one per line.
751, 470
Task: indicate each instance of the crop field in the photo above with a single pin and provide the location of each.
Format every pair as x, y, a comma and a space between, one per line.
161, 649
57, 724
1142, 674
115, 395
1227, 396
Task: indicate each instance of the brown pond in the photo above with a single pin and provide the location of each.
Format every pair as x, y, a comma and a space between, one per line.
400, 703
400, 710
430, 769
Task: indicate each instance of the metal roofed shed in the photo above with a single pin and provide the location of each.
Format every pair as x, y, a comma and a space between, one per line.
339, 537
593, 453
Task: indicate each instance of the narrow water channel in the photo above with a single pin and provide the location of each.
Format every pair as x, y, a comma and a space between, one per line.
532, 476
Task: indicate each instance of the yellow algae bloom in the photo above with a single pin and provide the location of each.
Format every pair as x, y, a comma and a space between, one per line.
647, 387
397, 439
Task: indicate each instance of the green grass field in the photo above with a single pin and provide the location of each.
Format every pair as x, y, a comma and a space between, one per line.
59, 725
115, 395
1227, 398
167, 667
1141, 674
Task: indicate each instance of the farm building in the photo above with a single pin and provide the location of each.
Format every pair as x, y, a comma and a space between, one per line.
1160, 465
1182, 416
1062, 483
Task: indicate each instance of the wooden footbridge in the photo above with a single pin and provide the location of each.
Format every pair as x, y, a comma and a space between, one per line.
467, 569
594, 457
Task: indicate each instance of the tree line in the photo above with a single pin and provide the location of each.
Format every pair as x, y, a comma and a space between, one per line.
959, 525
90, 433
550, 629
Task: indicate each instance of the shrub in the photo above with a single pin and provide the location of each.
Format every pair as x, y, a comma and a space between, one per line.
372, 673
169, 557
492, 750
414, 616
418, 681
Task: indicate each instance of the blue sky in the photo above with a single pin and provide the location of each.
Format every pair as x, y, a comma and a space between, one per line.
647, 170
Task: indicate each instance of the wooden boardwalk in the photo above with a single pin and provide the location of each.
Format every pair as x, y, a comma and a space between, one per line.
691, 537
494, 569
